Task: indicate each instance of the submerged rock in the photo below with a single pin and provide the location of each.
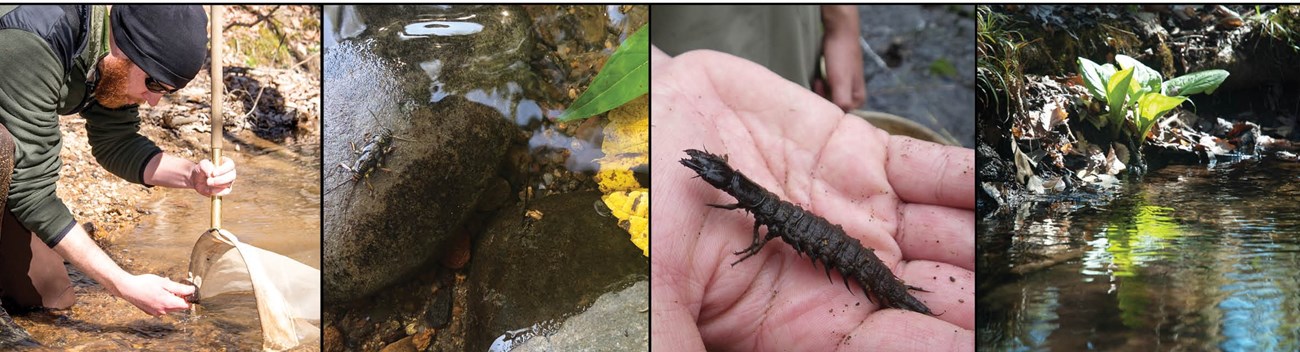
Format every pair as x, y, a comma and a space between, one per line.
533, 271
380, 228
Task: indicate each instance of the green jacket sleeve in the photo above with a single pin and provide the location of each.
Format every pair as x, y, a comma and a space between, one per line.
116, 143
31, 87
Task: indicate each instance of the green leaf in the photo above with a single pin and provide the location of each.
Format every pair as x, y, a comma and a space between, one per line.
1195, 82
1091, 73
1116, 91
1146, 78
1153, 105
625, 76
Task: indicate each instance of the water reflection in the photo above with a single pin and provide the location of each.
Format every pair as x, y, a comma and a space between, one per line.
440, 28
1191, 258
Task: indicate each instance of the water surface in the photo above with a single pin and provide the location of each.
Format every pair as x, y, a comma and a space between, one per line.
1189, 258
275, 205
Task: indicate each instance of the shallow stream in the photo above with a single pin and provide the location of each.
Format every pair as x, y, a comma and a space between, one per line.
275, 205
1189, 258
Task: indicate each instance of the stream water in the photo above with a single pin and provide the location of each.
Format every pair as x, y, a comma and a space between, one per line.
275, 205
1190, 258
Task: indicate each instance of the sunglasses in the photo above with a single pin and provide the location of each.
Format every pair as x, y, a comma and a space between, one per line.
158, 87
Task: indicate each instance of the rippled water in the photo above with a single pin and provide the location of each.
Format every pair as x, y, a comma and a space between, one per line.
1189, 258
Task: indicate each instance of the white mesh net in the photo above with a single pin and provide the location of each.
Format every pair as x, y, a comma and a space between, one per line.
287, 292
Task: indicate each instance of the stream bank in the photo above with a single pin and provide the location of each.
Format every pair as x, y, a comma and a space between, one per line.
1095, 234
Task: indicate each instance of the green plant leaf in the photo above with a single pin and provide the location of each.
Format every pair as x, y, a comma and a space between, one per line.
1146, 78
1153, 105
1195, 82
1091, 73
1117, 90
625, 76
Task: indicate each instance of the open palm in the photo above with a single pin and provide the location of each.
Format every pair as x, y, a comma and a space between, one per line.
909, 200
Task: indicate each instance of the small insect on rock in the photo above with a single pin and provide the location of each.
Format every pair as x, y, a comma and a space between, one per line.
370, 157
808, 233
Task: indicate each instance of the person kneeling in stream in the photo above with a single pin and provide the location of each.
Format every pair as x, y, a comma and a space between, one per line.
56, 62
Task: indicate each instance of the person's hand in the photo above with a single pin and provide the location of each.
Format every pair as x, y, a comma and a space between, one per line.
153, 294
844, 83
211, 180
911, 201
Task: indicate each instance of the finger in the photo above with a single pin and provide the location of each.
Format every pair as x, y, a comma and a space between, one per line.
949, 290
173, 303
897, 330
842, 92
177, 288
859, 93
221, 180
937, 233
929, 173
227, 165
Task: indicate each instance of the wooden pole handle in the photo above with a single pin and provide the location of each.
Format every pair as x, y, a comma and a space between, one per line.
218, 90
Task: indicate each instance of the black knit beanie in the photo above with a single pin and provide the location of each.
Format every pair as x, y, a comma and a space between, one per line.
168, 42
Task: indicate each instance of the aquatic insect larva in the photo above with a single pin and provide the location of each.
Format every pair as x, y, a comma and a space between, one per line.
809, 234
370, 156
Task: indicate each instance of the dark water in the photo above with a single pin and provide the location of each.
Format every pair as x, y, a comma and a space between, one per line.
1188, 259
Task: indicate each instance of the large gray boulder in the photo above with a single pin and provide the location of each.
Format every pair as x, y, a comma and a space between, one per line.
425, 88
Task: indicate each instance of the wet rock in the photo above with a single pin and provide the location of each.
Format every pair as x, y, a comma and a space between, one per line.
991, 166
13, 336
373, 238
458, 255
534, 271
447, 144
988, 198
618, 321
439, 311
403, 345
333, 340
496, 195
422, 339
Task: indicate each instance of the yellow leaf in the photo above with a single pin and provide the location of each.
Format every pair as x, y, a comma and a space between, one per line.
632, 208
627, 146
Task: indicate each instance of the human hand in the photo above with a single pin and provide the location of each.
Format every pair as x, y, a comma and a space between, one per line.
844, 83
153, 294
211, 180
911, 201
